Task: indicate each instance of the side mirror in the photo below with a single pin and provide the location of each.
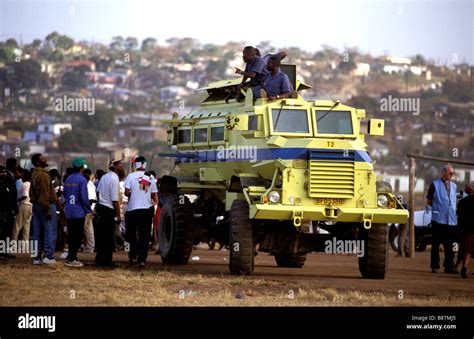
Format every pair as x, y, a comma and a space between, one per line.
376, 127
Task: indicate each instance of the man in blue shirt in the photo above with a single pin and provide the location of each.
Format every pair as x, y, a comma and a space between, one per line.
76, 209
253, 69
276, 85
442, 199
280, 55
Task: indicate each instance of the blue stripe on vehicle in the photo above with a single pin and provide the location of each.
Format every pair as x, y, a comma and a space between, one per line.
280, 153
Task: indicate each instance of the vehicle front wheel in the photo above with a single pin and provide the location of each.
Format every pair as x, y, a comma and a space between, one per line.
176, 230
242, 244
374, 262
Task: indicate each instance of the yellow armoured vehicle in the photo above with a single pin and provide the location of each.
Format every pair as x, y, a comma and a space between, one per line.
286, 177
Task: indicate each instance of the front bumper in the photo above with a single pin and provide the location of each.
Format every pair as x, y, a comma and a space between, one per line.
328, 213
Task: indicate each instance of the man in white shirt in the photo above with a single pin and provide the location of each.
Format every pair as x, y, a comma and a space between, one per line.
88, 225
23, 219
108, 212
142, 193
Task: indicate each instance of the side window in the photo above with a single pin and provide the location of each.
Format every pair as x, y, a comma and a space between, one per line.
217, 133
184, 136
200, 135
253, 122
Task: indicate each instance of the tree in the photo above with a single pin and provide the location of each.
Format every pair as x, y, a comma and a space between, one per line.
11, 43
419, 59
80, 140
117, 43
27, 74
6, 54
101, 121
64, 42
131, 43
148, 44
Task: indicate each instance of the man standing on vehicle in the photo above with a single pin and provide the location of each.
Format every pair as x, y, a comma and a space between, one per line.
108, 212
141, 190
442, 199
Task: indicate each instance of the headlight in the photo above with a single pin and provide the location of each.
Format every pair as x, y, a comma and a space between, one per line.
274, 197
291, 200
382, 200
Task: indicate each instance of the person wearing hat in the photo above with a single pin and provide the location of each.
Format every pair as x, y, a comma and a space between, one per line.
142, 193
76, 208
108, 212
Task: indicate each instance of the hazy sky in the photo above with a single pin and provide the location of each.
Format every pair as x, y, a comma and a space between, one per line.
441, 30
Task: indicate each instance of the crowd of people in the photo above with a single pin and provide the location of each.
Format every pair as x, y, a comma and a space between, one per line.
79, 211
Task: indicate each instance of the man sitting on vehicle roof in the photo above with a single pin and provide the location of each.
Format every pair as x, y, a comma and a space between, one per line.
280, 55
276, 85
253, 69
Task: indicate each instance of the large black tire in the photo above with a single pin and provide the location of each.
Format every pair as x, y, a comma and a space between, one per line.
176, 230
374, 262
242, 244
290, 260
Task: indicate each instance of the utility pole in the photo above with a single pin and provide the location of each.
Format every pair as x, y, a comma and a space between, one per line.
411, 207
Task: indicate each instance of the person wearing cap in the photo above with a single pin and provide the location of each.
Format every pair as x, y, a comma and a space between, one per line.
76, 209
108, 212
142, 193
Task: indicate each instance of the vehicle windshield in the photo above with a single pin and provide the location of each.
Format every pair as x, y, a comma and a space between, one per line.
334, 122
290, 120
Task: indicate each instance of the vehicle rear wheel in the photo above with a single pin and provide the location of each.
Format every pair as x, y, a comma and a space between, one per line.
290, 260
176, 230
242, 244
374, 262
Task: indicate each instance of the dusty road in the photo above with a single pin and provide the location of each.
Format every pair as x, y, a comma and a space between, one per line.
325, 280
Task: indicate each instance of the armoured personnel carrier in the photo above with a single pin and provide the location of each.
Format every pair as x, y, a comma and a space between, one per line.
286, 177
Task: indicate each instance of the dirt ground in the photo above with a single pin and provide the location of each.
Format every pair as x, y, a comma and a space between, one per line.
325, 280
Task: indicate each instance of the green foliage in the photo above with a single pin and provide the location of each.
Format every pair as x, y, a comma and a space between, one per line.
78, 140
370, 105
101, 121
458, 91
148, 44
6, 54
27, 74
